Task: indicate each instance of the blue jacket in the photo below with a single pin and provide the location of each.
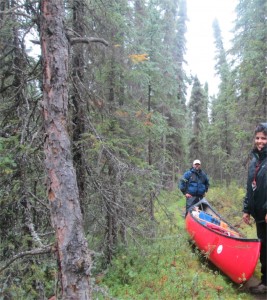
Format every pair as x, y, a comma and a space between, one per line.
194, 182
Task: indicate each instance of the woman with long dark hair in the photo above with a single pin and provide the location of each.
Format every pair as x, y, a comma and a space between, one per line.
255, 201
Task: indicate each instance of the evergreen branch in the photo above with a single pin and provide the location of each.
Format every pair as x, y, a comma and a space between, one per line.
117, 164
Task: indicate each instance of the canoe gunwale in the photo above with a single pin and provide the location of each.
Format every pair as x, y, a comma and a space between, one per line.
235, 256
216, 214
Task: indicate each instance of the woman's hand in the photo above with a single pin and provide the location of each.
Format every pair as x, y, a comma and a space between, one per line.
246, 218
188, 195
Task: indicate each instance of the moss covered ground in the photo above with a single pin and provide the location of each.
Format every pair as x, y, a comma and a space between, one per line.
168, 266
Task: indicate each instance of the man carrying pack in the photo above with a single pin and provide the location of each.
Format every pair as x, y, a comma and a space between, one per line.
194, 184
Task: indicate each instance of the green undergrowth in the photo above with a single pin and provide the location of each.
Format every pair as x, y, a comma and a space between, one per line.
168, 266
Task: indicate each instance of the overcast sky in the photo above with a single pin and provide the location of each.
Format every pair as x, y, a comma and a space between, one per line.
200, 42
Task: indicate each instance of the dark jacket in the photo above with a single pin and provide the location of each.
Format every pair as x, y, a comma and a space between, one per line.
255, 202
194, 182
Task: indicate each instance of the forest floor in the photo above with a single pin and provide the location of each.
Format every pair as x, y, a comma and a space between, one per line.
252, 282
167, 267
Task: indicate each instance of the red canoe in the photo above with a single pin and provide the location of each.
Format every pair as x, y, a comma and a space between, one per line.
235, 255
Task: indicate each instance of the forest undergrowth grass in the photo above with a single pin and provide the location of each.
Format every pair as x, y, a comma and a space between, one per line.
168, 266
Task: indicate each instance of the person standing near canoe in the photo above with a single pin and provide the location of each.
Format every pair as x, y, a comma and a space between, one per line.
255, 201
194, 184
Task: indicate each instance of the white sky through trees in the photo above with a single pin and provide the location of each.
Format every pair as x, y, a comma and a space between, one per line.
199, 38
200, 41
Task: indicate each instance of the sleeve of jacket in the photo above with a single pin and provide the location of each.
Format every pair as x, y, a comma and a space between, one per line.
207, 184
265, 205
265, 192
249, 192
245, 205
245, 201
184, 182
205, 180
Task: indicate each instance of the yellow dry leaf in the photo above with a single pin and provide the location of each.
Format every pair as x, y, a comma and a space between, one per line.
148, 123
149, 115
137, 58
139, 113
121, 113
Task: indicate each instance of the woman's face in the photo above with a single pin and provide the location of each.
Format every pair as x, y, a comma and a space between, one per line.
260, 140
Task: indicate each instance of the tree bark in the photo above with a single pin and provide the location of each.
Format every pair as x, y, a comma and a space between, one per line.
73, 255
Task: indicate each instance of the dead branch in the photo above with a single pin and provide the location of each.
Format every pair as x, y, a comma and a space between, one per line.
78, 40
40, 201
31, 228
87, 40
12, 11
15, 10
37, 251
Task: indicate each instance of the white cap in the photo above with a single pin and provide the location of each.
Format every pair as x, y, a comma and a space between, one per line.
197, 161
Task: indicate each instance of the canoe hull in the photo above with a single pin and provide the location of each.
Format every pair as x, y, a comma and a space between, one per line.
236, 257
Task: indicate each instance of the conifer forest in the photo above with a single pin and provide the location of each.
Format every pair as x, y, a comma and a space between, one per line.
97, 120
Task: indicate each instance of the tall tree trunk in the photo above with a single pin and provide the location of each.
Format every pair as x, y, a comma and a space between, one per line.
73, 256
79, 102
151, 197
